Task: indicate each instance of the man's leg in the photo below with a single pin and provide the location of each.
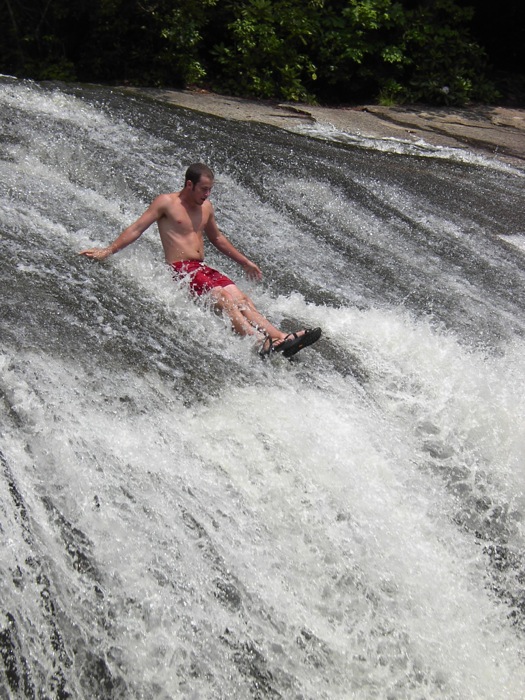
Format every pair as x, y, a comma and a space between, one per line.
245, 318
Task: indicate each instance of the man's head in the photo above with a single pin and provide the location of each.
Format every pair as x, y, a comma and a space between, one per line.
199, 181
196, 171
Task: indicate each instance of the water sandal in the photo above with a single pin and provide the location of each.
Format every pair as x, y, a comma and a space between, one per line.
267, 348
295, 342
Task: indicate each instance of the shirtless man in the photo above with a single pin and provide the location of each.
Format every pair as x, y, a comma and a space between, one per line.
182, 219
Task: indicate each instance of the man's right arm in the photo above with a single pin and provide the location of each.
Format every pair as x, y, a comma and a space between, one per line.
131, 233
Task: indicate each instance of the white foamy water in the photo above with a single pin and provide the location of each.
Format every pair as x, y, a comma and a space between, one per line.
181, 520
419, 148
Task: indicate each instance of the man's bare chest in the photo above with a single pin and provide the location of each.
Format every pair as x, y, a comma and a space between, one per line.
182, 222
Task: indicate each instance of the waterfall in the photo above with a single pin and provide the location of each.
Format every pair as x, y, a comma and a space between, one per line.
181, 520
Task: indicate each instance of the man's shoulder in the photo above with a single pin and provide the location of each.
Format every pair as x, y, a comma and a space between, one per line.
164, 202
167, 198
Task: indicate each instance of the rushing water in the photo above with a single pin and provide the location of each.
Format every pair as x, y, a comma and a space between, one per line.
181, 520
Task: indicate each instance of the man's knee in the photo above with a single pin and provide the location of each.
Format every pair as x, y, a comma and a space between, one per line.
231, 299
223, 298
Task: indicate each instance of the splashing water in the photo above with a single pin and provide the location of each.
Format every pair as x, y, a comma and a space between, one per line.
181, 520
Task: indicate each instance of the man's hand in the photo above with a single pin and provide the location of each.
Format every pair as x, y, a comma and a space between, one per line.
252, 271
96, 253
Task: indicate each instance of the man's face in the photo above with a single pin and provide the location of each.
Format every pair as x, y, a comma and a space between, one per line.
202, 190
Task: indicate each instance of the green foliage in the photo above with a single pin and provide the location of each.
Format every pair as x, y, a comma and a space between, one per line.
153, 42
33, 43
358, 46
181, 29
265, 48
336, 51
443, 64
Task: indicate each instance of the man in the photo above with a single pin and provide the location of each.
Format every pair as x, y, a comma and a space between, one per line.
182, 219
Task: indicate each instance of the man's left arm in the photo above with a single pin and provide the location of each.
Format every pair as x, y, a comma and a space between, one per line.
219, 240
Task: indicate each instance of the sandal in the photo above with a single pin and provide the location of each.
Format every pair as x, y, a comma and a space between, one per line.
267, 348
294, 342
291, 344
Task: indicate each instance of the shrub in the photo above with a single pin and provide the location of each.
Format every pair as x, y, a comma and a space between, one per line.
337, 51
443, 64
264, 52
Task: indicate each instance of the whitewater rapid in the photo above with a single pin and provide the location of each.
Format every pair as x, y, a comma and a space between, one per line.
181, 520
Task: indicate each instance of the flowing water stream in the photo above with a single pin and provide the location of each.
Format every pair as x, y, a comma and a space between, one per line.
181, 520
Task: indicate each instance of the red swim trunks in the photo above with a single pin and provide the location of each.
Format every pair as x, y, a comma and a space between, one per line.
201, 277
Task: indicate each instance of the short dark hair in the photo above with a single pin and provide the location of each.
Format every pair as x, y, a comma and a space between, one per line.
196, 171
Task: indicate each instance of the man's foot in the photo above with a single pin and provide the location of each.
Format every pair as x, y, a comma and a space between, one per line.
267, 347
292, 343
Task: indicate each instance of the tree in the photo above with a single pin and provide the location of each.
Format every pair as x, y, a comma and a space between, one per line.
331, 50
37, 35
264, 48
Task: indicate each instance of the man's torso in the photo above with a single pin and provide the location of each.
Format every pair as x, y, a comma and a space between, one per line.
181, 229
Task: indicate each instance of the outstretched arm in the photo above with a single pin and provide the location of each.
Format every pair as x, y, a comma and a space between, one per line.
131, 233
219, 240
